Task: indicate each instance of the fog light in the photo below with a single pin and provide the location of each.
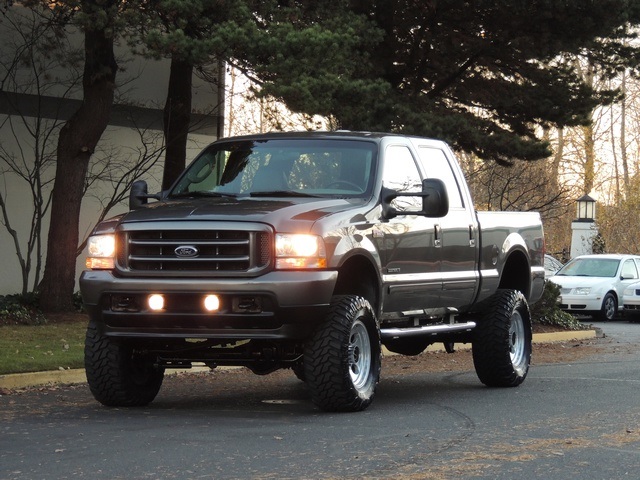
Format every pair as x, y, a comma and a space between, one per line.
156, 302
124, 303
211, 303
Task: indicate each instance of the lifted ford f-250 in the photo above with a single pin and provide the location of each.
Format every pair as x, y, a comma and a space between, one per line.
309, 251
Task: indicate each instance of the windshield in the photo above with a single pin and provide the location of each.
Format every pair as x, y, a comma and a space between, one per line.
278, 167
591, 267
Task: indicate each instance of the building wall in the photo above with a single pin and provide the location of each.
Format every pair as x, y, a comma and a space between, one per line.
135, 126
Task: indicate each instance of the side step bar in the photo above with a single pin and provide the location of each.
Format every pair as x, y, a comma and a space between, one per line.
426, 330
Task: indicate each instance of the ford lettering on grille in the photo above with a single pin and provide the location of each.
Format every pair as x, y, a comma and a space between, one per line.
187, 251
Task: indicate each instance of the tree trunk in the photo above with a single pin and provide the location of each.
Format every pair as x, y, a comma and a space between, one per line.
177, 117
589, 159
623, 135
76, 143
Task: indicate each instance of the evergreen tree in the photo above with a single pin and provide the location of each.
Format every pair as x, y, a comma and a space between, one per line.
480, 74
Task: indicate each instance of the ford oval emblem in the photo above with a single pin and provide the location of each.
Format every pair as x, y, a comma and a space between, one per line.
186, 251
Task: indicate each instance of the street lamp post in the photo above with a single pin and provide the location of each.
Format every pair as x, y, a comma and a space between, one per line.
583, 228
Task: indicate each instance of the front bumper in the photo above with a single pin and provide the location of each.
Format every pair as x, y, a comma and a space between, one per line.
278, 305
581, 303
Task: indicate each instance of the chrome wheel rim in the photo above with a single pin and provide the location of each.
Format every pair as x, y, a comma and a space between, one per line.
359, 355
609, 308
517, 343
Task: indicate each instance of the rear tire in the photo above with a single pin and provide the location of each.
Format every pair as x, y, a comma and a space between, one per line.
502, 341
343, 358
117, 376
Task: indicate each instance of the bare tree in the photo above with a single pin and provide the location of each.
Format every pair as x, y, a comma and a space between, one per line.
618, 224
249, 112
41, 75
36, 63
76, 143
524, 186
112, 172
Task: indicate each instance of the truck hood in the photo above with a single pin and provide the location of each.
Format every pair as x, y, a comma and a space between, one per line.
275, 212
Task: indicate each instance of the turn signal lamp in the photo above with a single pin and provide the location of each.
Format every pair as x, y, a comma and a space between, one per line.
298, 251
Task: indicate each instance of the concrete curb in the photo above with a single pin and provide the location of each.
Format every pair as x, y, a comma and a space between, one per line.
66, 377
69, 377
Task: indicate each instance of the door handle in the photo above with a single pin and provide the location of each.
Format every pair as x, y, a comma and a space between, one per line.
472, 240
437, 231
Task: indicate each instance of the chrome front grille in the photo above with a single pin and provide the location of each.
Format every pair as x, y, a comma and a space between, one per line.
189, 252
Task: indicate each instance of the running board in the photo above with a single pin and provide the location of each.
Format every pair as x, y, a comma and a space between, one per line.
426, 330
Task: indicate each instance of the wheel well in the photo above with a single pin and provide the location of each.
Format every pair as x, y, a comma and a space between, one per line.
357, 276
515, 274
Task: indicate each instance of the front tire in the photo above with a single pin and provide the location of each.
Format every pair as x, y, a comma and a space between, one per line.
609, 308
117, 376
343, 358
502, 341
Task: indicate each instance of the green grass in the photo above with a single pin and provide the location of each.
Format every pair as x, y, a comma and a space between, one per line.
35, 348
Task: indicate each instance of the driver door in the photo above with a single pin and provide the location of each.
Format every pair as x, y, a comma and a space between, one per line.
407, 244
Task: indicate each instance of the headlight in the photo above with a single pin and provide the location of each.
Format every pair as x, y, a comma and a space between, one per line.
295, 251
582, 291
101, 250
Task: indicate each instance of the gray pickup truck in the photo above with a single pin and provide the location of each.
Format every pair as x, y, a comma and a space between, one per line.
309, 251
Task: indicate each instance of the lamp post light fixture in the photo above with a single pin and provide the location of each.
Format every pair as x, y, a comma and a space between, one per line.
586, 207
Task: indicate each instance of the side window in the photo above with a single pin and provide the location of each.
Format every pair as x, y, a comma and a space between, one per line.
401, 174
629, 269
436, 165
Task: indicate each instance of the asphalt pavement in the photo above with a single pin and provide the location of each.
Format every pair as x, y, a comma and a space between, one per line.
578, 418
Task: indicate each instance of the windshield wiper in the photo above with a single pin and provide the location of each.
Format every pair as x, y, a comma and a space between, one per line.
281, 193
202, 194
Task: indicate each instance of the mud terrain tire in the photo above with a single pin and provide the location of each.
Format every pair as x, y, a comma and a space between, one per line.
117, 376
343, 358
502, 340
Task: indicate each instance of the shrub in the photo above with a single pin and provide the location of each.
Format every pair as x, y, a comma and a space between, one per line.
547, 312
18, 309
77, 302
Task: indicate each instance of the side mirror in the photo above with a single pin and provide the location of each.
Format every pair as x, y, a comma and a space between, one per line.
139, 195
435, 201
